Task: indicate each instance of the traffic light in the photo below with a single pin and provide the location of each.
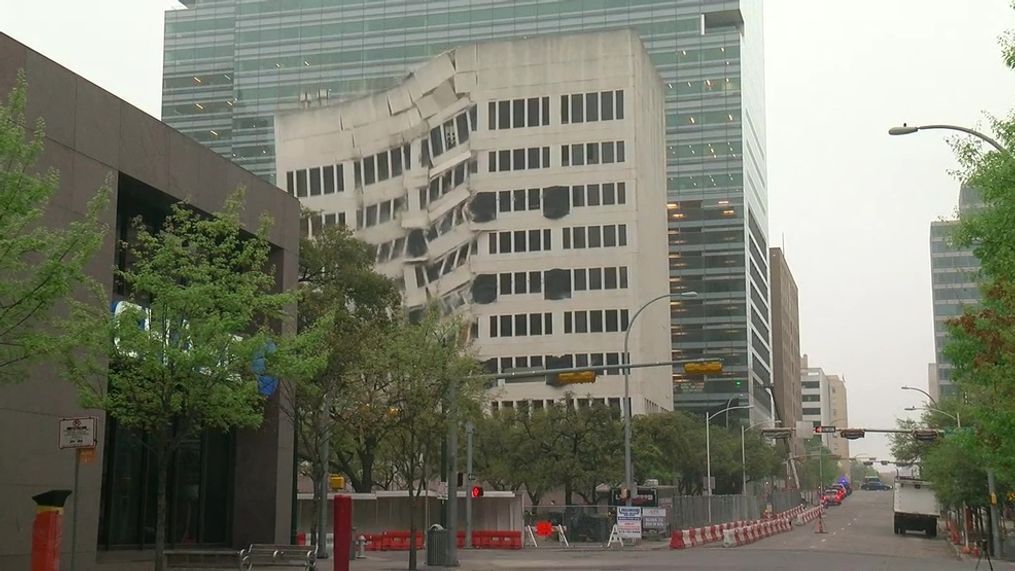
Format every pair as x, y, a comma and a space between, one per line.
868, 462
852, 433
926, 434
477, 491
571, 378
703, 367
884, 462
461, 480
777, 432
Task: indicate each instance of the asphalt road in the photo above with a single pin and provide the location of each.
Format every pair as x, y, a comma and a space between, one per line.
859, 537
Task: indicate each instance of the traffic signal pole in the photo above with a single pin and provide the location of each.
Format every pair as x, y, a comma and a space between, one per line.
452, 473
470, 431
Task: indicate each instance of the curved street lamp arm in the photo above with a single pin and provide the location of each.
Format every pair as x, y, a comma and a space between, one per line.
968, 131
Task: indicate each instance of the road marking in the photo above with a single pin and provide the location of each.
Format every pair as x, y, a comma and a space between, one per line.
824, 540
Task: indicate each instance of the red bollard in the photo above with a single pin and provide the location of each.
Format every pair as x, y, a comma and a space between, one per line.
47, 530
343, 532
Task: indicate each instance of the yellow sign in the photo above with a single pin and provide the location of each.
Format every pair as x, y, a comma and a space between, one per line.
703, 367
337, 482
576, 377
86, 455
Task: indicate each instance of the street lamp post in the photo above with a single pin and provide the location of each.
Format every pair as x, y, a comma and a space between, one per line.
743, 453
708, 452
628, 468
991, 488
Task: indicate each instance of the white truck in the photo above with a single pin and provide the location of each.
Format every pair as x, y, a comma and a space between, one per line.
916, 506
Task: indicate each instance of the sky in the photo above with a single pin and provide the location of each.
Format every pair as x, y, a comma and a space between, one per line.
851, 206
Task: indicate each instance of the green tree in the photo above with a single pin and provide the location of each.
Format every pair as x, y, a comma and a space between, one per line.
982, 345
339, 417
428, 374
181, 356
41, 266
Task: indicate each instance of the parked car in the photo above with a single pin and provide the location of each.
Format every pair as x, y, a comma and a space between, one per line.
832, 497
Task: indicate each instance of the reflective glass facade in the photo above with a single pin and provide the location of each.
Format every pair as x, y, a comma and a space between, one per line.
954, 273
230, 65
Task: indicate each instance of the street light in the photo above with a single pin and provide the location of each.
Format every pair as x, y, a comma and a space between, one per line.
743, 452
908, 388
628, 468
905, 130
708, 452
957, 417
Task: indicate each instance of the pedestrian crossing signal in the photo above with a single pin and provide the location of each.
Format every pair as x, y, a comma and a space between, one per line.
477, 491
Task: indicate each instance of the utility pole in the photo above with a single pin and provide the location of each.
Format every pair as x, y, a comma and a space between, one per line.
995, 526
470, 431
452, 473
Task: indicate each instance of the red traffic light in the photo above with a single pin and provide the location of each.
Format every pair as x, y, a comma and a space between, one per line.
477, 491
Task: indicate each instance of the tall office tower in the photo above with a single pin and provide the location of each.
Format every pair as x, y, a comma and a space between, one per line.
954, 272
230, 65
520, 182
839, 407
785, 344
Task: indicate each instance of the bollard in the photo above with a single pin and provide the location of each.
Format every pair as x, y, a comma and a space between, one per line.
343, 532
361, 547
46, 530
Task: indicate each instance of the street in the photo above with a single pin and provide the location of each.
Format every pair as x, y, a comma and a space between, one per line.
859, 537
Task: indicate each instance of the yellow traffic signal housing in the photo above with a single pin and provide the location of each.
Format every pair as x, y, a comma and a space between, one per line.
703, 367
337, 482
572, 378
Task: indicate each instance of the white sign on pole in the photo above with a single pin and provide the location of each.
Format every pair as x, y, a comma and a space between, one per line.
442, 490
79, 432
653, 518
629, 522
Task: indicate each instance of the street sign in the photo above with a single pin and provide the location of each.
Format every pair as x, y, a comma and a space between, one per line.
644, 497
574, 378
78, 432
653, 518
442, 490
825, 430
629, 522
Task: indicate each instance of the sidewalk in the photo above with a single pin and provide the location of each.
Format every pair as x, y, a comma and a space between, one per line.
484, 559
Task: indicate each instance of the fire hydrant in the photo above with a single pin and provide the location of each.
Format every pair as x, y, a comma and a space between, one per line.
361, 547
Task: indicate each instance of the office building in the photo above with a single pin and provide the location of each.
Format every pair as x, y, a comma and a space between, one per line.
954, 274
230, 65
785, 344
824, 403
521, 182
839, 411
225, 489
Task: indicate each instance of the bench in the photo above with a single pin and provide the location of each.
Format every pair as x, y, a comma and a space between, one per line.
258, 556
188, 559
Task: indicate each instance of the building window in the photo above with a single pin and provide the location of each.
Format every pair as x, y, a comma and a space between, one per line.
519, 159
581, 154
592, 107
520, 325
518, 241
609, 236
595, 321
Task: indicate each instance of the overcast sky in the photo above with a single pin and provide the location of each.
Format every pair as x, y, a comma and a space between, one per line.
851, 205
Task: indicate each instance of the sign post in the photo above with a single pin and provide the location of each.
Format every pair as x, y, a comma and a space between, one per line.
78, 433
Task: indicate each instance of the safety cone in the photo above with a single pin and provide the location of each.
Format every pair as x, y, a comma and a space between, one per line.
821, 524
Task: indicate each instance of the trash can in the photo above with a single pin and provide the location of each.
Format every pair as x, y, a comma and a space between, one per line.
437, 546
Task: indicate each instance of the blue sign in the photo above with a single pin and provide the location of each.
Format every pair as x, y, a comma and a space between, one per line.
266, 384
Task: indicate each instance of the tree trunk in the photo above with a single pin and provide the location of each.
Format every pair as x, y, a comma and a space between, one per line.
412, 529
366, 462
322, 492
568, 494
161, 513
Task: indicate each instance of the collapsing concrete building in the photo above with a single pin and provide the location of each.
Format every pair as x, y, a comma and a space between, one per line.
521, 183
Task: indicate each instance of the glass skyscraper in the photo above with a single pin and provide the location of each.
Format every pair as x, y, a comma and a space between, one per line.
230, 65
954, 274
